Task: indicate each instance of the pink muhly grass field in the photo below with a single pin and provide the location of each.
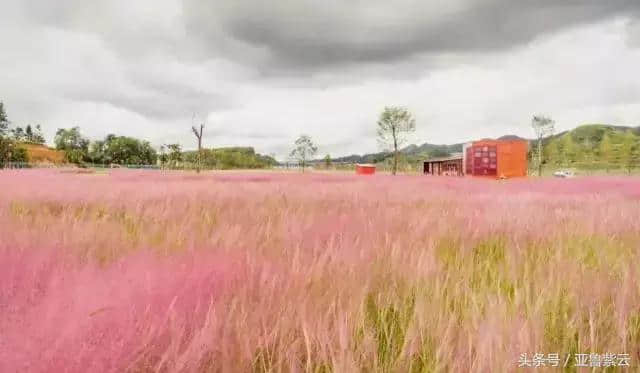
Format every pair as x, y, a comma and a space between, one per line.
176, 272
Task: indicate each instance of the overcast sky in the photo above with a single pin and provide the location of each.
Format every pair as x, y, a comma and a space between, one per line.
262, 72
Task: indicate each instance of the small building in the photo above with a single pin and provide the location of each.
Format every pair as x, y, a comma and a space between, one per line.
445, 166
365, 169
496, 158
490, 158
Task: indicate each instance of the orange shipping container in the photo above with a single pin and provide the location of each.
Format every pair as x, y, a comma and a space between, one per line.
512, 158
497, 158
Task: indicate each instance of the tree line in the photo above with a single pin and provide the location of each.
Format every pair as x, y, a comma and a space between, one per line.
124, 150
587, 147
10, 139
113, 149
171, 156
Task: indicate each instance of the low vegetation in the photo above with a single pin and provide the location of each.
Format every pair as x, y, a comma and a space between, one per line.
267, 272
594, 147
227, 159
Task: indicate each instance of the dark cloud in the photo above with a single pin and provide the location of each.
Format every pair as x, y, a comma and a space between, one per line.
152, 98
317, 34
169, 104
308, 35
633, 32
129, 28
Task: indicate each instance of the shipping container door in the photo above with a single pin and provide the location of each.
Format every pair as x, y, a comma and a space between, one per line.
469, 161
485, 160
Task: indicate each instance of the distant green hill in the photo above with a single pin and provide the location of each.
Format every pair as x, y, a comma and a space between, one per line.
410, 153
592, 146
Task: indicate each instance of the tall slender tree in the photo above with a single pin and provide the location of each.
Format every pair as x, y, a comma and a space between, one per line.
6, 144
28, 133
175, 154
552, 152
568, 149
33, 134
304, 150
543, 126
163, 156
630, 151
605, 151
4, 121
394, 126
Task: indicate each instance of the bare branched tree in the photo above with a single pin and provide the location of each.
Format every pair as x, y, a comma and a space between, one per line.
198, 134
543, 126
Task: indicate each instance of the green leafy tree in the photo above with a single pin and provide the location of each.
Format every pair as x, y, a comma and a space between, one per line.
122, 150
28, 133
71, 141
304, 150
5, 142
630, 151
230, 158
97, 152
568, 149
32, 134
148, 154
128, 150
394, 126
606, 152
175, 154
19, 154
4, 121
327, 161
9, 151
543, 126
76, 156
267, 160
552, 152
163, 156
37, 136
6, 146
18, 134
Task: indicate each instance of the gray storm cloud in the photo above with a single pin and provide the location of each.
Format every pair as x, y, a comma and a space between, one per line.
317, 34
312, 34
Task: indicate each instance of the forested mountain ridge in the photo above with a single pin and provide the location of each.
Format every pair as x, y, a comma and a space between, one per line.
593, 146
